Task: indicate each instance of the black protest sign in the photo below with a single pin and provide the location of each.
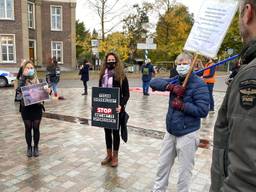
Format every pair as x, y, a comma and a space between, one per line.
104, 104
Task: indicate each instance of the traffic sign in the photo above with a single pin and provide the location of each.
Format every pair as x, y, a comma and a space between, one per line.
146, 46
230, 51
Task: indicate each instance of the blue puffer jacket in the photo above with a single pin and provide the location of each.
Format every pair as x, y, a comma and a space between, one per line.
196, 105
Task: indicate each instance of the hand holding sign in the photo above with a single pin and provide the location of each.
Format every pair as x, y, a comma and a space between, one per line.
118, 109
105, 107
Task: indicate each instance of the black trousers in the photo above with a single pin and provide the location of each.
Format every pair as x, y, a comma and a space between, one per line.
29, 126
115, 141
85, 87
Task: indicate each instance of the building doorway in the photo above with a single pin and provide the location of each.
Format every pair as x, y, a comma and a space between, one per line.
32, 51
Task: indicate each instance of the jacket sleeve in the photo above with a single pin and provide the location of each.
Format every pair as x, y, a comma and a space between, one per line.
199, 107
19, 73
220, 148
125, 92
159, 84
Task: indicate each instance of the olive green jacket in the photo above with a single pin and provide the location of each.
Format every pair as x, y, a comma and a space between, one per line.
234, 151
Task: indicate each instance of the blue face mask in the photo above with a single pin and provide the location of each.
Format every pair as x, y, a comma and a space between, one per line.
31, 72
182, 69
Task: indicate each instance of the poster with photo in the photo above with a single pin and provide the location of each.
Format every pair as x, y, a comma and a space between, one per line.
104, 104
35, 93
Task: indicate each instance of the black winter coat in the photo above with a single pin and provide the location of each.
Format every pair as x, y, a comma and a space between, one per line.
84, 72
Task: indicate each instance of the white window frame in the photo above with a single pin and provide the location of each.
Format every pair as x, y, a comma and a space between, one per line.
33, 15
14, 49
62, 50
61, 17
5, 12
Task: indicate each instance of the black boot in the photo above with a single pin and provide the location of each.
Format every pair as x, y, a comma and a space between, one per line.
29, 151
35, 151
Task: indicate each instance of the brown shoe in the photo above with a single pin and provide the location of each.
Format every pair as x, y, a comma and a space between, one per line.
114, 161
108, 158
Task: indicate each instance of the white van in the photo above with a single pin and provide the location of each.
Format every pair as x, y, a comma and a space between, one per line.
6, 78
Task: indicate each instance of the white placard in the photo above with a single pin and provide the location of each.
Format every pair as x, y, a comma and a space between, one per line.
210, 27
146, 46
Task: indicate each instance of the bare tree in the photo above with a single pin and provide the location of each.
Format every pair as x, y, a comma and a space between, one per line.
106, 12
164, 5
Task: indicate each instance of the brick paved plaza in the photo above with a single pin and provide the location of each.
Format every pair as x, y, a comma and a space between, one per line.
71, 149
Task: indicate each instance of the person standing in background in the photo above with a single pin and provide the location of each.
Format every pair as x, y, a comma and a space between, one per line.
53, 76
147, 71
84, 72
209, 79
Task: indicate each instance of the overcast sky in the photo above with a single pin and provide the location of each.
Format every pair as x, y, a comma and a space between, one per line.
86, 13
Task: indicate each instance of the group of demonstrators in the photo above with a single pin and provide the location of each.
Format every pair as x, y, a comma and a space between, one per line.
190, 99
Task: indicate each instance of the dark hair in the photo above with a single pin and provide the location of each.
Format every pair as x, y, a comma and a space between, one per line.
85, 61
52, 62
119, 68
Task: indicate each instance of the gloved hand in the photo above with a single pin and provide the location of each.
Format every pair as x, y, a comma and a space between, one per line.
179, 90
169, 87
177, 104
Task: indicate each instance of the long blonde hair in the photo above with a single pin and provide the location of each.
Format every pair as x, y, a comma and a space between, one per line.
34, 79
119, 68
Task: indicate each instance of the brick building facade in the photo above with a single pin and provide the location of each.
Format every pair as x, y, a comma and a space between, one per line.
37, 30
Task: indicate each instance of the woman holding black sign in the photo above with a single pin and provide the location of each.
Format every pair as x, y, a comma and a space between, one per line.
112, 75
31, 114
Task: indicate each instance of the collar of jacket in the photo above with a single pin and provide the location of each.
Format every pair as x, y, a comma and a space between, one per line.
249, 52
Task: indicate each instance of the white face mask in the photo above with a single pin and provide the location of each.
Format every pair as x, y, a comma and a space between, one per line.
182, 69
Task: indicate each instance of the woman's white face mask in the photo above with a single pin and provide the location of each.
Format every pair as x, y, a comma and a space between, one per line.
183, 69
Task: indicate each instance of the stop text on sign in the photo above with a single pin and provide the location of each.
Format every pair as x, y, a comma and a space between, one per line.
104, 110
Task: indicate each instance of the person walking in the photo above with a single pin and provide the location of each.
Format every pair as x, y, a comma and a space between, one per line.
84, 72
53, 76
112, 75
147, 71
32, 114
234, 145
209, 79
186, 107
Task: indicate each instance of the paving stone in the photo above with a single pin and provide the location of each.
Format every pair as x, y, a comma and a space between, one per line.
70, 152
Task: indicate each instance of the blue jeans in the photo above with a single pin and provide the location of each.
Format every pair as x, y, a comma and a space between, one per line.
54, 88
145, 86
210, 88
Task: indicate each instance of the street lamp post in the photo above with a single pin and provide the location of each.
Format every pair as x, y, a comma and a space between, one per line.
145, 21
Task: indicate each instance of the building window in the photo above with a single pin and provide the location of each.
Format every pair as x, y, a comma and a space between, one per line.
56, 18
7, 9
31, 15
7, 50
57, 50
